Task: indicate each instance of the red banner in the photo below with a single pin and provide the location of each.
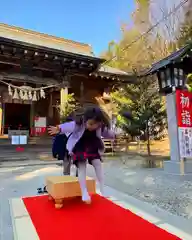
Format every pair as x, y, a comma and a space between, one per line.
184, 108
38, 131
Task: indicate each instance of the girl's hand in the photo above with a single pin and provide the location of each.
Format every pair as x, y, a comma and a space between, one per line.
53, 130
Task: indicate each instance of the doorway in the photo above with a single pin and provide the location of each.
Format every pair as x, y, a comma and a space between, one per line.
17, 116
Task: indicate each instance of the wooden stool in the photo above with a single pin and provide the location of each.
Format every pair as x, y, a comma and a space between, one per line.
61, 187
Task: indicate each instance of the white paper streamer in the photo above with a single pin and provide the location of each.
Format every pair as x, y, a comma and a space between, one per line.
34, 96
15, 95
10, 91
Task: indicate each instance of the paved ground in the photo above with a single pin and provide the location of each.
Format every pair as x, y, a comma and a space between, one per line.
173, 193
17, 182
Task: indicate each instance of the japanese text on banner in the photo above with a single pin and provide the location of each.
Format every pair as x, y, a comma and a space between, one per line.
184, 108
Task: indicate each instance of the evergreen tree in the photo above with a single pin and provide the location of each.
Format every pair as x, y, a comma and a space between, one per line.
147, 108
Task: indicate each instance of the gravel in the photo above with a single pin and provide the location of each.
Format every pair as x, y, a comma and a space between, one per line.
170, 192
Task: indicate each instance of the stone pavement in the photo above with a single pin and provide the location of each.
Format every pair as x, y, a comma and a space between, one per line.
18, 182
171, 193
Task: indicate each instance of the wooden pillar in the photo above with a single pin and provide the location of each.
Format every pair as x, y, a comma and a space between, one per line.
82, 94
50, 108
50, 111
32, 117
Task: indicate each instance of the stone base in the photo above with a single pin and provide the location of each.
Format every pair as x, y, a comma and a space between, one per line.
180, 168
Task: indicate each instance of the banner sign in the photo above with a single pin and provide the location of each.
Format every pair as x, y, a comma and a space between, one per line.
184, 108
40, 124
184, 120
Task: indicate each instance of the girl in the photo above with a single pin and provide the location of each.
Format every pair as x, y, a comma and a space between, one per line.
85, 144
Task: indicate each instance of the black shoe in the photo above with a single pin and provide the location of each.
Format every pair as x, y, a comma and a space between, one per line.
39, 190
45, 189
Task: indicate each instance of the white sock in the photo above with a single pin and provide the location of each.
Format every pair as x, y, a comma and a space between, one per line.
99, 174
82, 181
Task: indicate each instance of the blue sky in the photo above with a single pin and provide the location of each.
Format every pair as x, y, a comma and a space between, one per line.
94, 22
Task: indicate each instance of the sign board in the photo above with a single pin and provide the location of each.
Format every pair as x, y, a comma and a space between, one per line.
184, 120
19, 140
40, 122
14, 140
22, 139
18, 132
185, 142
184, 108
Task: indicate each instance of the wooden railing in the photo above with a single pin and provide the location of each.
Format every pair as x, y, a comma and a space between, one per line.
122, 145
109, 145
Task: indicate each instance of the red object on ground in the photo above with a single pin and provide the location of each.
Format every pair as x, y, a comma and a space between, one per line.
101, 220
19, 149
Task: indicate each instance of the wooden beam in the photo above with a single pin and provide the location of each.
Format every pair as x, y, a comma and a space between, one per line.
6, 50
2, 47
14, 51
55, 58
19, 65
44, 61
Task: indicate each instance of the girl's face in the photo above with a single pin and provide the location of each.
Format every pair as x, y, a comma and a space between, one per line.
92, 125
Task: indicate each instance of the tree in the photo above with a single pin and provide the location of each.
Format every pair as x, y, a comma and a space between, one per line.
147, 108
141, 15
70, 106
185, 33
135, 53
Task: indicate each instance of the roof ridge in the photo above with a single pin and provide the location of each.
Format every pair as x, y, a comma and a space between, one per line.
44, 35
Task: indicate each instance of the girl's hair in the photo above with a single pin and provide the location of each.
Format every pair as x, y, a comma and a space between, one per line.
94, 113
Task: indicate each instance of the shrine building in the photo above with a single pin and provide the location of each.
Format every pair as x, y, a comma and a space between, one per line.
37, 70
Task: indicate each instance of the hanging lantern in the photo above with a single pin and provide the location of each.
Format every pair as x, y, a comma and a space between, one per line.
42, 93
10, 91
34, 96
15, 95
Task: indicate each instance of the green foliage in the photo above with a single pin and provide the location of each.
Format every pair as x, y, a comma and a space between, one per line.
185, 34
143, 100
185, 31
146, 106
189, 82
69, 107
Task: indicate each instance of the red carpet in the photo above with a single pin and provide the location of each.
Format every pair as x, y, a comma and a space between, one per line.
77, 221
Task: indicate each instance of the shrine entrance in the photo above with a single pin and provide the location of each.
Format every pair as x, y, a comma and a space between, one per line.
16, 116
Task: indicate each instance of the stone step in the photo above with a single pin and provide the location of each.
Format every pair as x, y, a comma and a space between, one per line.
31, 148
15, 156
31, 140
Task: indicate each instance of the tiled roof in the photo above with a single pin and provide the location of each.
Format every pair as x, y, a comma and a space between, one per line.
60, 44
111, 70
175, 56
44, 40
128, 77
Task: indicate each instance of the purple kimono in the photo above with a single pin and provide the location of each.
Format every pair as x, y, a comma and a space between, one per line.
80, 137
